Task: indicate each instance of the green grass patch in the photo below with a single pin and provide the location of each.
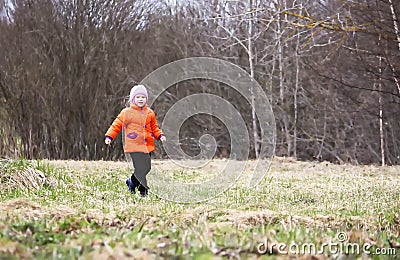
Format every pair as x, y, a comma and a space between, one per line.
70, 210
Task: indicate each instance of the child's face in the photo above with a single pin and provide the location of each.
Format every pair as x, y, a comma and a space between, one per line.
140, 100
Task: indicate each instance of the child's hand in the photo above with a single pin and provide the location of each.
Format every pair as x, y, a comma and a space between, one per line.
163, 138
108, 140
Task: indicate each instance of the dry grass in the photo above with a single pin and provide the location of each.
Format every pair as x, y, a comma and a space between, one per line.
29, 210
25, 177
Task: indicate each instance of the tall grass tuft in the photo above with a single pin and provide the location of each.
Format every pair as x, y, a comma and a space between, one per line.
23, 175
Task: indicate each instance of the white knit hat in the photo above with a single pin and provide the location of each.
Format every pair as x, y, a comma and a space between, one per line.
136, 90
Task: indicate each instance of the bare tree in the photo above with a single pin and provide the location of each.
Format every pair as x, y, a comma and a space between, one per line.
66, 68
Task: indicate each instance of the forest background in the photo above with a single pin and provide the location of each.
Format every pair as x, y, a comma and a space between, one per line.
330, 68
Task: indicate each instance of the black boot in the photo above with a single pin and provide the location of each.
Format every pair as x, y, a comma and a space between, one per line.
143, 191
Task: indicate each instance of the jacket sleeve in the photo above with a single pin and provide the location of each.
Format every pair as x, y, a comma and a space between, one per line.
116, 126
154, 127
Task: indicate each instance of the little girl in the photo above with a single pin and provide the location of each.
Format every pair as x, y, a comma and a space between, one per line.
141, 128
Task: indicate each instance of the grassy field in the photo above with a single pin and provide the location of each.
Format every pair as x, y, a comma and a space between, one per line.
70, 210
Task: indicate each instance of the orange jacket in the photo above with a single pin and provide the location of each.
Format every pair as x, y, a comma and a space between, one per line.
140, 127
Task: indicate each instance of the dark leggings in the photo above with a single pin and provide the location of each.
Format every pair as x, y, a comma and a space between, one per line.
142, 165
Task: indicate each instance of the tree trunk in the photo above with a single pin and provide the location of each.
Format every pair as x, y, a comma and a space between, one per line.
251, 65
